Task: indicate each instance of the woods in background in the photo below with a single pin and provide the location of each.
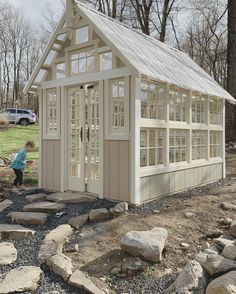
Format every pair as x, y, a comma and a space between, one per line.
198, 27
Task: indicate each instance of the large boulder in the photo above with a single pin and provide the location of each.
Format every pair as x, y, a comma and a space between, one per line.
61, 265
5, 204
21, 279
147, 244
59, 235
78, 221
99, 214
120, 208
79, 280
233, 228
8, 253
222, 242
191, 280
229, 252
225, 284
218, 265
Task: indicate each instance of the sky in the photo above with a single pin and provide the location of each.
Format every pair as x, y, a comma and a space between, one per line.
35, 9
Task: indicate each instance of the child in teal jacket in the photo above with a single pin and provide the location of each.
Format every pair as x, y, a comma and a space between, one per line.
18, 165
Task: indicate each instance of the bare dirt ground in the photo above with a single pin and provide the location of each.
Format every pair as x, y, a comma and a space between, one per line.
99, 249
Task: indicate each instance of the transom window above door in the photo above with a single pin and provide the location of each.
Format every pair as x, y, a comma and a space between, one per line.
83, 61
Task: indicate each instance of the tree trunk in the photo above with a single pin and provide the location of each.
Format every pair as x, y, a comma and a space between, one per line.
231, 60
164, 20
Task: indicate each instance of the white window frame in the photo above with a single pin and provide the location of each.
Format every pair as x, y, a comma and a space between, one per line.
46, 134
218, 145
84, 50
199, 103
218, 113
157, 102
199, 145
179, 146
181, 92
118, 133
99, 59
156, 147
80, 28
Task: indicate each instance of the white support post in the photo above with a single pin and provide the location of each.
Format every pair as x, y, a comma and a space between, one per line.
63, 139
208, 126
135, 139
167, 134
223, 143
40, 138
190, 129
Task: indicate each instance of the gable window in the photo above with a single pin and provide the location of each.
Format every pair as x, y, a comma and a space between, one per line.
118, 104
215, 143
215, 111
105, 60
82, 62
198, 109
198, 145
82, 35
60, 70
178, 146
52, 125
178, 105
153, 100
151, 147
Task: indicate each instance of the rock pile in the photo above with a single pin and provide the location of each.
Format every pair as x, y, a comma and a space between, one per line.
214, 270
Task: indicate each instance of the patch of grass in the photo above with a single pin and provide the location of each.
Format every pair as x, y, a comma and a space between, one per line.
12, 140
31, 181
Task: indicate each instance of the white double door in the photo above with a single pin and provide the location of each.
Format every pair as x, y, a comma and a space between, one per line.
84, 146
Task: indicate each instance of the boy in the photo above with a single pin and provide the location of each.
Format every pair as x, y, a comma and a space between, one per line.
18, 166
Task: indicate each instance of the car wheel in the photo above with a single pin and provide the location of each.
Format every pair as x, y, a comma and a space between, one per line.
24, 122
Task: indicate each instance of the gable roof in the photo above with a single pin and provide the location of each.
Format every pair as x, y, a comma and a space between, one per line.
149, 57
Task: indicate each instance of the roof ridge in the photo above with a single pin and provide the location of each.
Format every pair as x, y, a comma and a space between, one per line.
78, 2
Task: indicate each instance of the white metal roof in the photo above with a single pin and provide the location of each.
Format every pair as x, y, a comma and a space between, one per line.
153, 58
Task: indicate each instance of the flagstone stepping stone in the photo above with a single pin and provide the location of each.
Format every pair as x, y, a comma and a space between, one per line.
5, 204
79, 280
48, 250
47, 207
78, 221
28, 218
35, 198
14, 232
70, 198
21, 279
61, 265
8, 253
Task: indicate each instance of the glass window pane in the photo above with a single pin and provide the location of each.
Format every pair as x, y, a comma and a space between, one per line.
106, 61
82, 35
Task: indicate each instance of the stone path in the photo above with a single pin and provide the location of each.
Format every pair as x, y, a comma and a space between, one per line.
38, 209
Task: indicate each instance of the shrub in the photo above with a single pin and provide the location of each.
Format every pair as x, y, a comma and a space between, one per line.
3, 120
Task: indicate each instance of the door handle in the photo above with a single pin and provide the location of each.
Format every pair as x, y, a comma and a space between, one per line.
88, 134
81, 134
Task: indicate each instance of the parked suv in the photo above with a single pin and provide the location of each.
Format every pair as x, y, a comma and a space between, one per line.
23, 117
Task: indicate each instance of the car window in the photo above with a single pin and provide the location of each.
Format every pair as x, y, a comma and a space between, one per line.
19, 111
25, 112
12, 111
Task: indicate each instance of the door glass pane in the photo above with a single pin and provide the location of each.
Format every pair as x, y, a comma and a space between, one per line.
74, 135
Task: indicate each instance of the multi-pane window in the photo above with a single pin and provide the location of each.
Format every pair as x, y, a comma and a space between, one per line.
151, 147
178, 105
52, 125
118, 104
215, 111
178, 146
199, 145
198, 109
82, 62
105, 60
60, 70
82, 35
153, 100
215, 143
